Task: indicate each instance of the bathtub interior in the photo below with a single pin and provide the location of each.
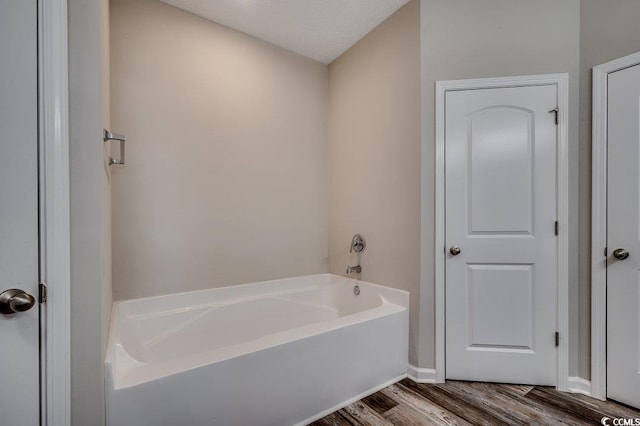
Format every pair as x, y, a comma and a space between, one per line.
153, 337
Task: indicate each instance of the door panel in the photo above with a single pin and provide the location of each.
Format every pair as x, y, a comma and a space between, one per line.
501, 290
497, 292
623, 229
19, 356
494, 183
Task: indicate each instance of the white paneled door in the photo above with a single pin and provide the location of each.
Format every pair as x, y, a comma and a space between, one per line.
501, 244
19, 330
623, 239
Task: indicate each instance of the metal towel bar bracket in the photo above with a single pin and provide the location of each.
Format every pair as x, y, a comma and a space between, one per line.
109, 136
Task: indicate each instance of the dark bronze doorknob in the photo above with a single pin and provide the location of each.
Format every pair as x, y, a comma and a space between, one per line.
15, 300
620, 254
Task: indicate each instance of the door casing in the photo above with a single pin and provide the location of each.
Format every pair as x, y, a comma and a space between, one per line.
442, 87
599, 221
55, 265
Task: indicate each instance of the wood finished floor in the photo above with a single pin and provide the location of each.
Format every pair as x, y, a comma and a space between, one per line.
468, 403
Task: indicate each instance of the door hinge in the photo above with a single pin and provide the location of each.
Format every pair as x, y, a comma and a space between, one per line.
605, 252
556, 227
557, 337
556, 110
42, 293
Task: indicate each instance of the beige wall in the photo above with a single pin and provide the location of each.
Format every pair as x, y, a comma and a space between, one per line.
226, 175
374, 156
609, 30
492, 38
90, 207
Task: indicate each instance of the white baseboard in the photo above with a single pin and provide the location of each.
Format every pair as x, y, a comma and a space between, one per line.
579, 385
428, 375
421, 375
350, 401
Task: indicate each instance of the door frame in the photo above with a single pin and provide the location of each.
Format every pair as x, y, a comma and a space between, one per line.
54, 187
599, 220
442, 87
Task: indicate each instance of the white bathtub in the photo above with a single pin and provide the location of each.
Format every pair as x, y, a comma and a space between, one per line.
276, 353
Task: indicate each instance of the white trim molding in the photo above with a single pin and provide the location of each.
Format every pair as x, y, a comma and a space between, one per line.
55, 210
562, 83
579, 385
599, 222
421, 375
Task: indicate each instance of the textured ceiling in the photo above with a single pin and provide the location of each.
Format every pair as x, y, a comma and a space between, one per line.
319, 29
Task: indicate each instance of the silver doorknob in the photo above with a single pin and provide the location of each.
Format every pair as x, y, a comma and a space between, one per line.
455, 250
15, 300
620, 254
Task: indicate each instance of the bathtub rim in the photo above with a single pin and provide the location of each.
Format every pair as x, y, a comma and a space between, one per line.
115, 352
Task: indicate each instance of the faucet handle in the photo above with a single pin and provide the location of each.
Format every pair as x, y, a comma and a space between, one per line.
358, 244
